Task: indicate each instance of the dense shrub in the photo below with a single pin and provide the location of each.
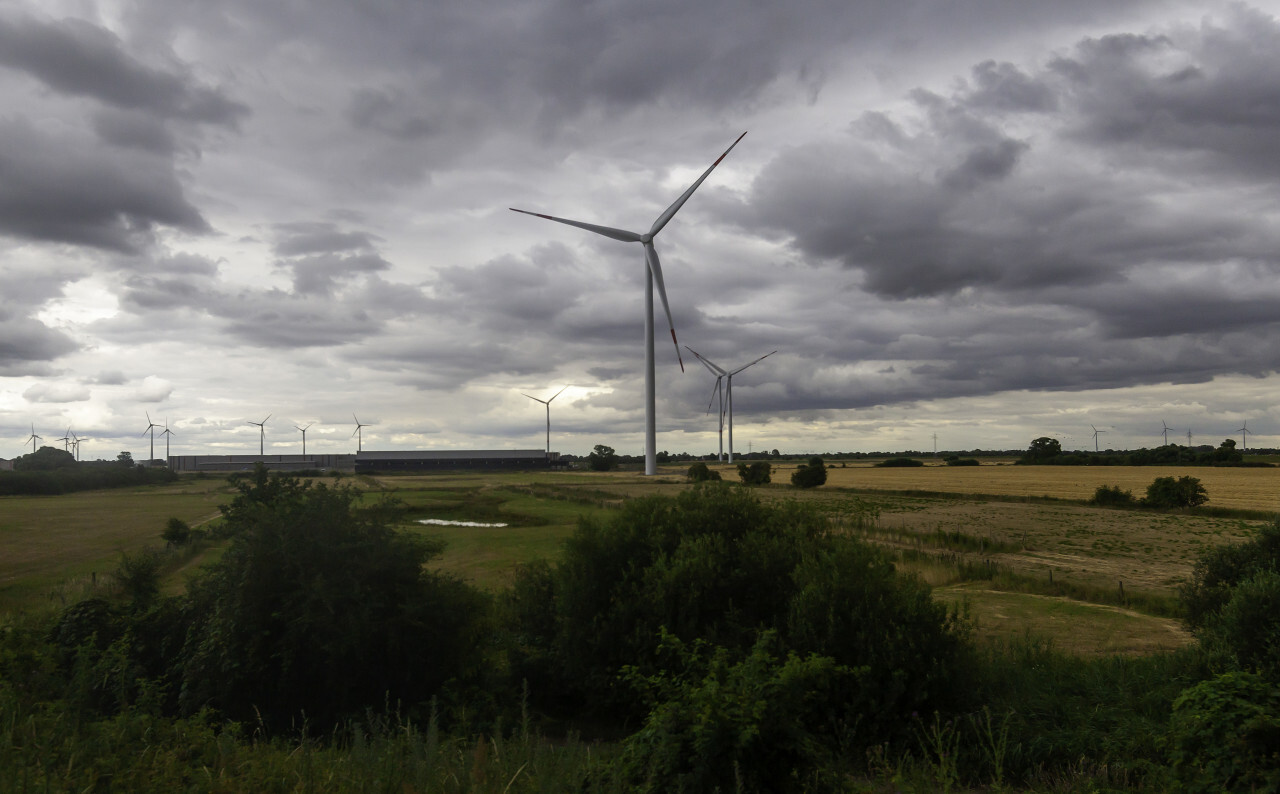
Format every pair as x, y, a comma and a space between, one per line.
1112, 496
700, 472
1168, 493
1224, 735
956, 460
758, 473
176, 532
1221, 568
809, 475
1248, 627
899, 463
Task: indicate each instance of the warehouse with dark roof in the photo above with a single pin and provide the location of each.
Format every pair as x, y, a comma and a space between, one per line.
422, 460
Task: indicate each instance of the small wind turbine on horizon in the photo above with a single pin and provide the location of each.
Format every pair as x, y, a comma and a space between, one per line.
1096, 433
728, 387
716, 391
547, 402
66, 441
33, 438
262, 435
653, 274
304, 436
75, 442
167, 432
1244, 432
1165, 431
358, 435
151, 427
1188, 436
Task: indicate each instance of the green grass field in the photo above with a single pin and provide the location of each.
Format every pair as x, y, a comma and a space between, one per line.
55, 547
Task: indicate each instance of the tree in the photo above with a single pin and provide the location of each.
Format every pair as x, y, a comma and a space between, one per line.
603, 458
810, 475
700, 472
45, 459
1166, 492
125, 459
758, 473
1043, 448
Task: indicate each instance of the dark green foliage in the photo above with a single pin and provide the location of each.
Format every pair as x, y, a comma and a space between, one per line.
700, 472
956, 460
1168, 493
1221, 568
322, 608
754, 724
717, 565
758, 473
80, 477
176, 532
1042, 449
899, 463
1224, 735
602, 458
809, 475
1248, 627
139, 576
45, 459
1112, 496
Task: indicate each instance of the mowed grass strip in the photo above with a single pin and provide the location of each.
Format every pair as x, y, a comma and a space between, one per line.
1070, 626
49, 541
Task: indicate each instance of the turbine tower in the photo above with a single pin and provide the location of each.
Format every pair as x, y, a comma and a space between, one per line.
167, 432
1244, 431
1188, 436
304, 436
262, 434
66, 441
716, 391
360, 439
151, 427
33, 438
1096, 433
653, 273
728, 389
546, 402
1166, 432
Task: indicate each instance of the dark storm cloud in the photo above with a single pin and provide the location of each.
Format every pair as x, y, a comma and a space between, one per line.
320, 255
76, 57
1004, 87
26, 345
59, 189
134, 131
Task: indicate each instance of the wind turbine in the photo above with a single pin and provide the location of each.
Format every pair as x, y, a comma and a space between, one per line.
304, 436
75, 442
1096, 433
33, 439
151, 426
728, 389
360, 440
1166, 432
546, 402
1188, 436
1244, 431
167, 432
653, 273
262, 434
66, 441
716, 390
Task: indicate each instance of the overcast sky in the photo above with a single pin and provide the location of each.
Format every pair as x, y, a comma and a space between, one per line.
989, 221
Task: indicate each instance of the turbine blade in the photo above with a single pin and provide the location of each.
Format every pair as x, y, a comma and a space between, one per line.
608, 231
535, 399
674, 208
557, 394
706, 362
753, 363
655, 267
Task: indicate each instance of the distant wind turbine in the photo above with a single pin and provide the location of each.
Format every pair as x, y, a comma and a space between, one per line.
716, 391
1244, 431
1096, 433
75, 442
1166, 432
262, 435
167, 432
33, 438
653, 274
151, 427
358, 435
1188, 436
66, 441
547, 402
304, 436
728, 389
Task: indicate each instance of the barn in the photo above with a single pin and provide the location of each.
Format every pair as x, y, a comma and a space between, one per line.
444, 460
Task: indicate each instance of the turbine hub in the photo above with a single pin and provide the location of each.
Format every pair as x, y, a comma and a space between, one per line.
646, 238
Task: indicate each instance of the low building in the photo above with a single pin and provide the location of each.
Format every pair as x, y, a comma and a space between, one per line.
425, 460
186, 464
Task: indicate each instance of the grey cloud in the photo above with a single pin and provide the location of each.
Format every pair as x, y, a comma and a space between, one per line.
110, 377
56, 393
302, 239
134, 131
59, 190
1004, 87
27, 344
76, 57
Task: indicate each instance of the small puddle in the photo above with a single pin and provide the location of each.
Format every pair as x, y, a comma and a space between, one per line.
440, 522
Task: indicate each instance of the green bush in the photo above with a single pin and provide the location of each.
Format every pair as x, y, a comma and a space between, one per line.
899, 463
809, 476
700, 472
1221, 568
176, 532
758, 473
1248, 627
1112, 496
1168, 493
956, 460
1224, 735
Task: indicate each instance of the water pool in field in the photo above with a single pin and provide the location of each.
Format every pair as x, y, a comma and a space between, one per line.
440, 522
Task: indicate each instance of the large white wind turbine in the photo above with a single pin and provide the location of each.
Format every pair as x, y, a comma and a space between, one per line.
358, 432
167, 432
728, 388
33, 438
1166, 432
151, 427
546, 402
262, 434
716, 391
304, 436
653, 273
1096, 433
1244, 432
